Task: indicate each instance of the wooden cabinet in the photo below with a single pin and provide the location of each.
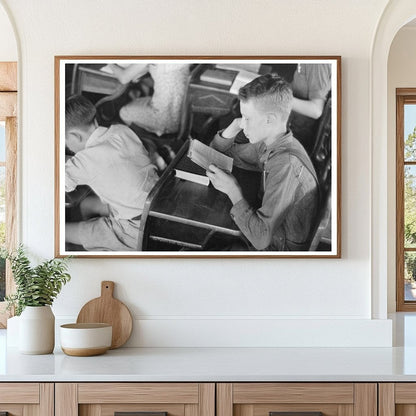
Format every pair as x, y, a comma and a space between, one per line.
105, 399
27, 399
222, 399
208, 399
397, 399
331, 399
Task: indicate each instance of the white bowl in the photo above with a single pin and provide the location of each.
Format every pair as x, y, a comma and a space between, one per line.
85, 339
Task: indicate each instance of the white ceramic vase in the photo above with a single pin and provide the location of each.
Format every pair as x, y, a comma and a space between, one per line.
37, 330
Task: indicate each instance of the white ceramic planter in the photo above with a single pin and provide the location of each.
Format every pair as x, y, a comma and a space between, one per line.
37, 330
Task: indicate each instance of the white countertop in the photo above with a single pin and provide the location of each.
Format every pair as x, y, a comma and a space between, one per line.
222, 364
215, 364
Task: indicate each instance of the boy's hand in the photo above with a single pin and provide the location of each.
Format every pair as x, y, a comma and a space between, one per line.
233, 129
225, 182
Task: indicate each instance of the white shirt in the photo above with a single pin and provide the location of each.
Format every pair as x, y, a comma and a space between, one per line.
117, 167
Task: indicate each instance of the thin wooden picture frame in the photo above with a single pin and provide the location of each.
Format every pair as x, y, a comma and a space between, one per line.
177, 218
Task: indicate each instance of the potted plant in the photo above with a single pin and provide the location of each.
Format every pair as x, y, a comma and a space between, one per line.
36, 289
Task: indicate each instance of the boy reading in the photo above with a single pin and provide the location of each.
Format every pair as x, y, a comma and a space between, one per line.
289, 190
115, 165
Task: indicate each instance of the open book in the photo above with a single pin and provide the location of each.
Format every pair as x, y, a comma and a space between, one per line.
204, 156
199, 158
190, 171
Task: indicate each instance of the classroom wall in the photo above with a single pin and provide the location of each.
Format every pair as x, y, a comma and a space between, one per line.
401, 74
191, 302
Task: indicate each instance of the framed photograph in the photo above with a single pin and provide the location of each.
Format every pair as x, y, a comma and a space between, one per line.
172, 156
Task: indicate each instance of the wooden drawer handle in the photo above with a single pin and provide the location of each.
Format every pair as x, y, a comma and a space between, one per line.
295, 413
139, 414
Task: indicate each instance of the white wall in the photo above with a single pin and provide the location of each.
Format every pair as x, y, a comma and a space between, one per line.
198, 302
8, 47
401, 74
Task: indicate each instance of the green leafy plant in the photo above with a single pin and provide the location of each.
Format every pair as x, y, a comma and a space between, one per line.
35, 285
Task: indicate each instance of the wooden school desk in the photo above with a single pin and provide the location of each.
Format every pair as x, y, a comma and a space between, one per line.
182, 215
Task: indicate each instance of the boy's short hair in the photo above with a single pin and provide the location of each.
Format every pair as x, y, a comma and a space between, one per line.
79, 112
271, 91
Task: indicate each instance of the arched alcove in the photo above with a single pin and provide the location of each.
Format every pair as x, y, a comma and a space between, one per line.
397, 14
401, 74
8, 138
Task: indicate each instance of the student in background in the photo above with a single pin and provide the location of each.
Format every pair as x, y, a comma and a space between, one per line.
115, 165
311, 85
289, 193
159, 113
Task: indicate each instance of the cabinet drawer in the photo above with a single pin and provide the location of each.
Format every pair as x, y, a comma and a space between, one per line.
128, 409
19, 393
21, 399
251, 393
138, 393
107, 399
397, 399
297, 399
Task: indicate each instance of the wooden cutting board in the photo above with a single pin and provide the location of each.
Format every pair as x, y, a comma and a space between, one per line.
108, 310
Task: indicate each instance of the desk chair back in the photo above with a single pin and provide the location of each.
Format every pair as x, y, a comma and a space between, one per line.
321, 157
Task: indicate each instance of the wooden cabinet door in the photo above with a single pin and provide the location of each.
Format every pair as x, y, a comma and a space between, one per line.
397, 399
297, 399
106, 399
26, 399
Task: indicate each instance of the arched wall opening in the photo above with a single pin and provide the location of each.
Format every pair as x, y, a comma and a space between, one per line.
8, 136
401, 73
396, 15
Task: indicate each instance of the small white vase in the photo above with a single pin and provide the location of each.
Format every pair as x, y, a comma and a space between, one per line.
37, 330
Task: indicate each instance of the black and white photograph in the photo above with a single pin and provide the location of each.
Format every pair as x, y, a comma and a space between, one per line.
198, 156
